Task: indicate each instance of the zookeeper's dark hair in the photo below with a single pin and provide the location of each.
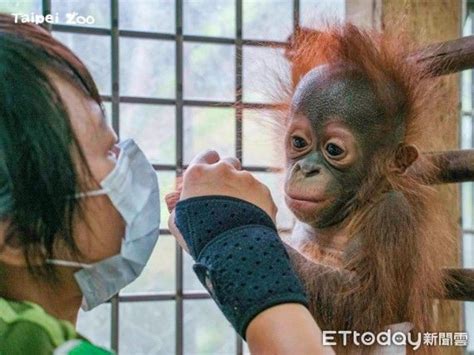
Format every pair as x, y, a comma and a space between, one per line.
37, 143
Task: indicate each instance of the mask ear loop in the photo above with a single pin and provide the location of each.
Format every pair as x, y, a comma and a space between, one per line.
90, 193
68, 263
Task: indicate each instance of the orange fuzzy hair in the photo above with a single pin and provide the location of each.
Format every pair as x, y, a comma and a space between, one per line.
382, 58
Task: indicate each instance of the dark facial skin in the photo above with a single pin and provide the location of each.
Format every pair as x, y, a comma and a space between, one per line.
336, 125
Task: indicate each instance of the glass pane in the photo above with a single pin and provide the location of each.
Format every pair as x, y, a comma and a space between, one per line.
466, 90
275, 183
108, 112
467, 189
147, 15
469, 311
190, 280
153, 128
209, 71
95, 325
206, 331
147, 328
167, 182
466, 75
263, 70
468, 262
467, 132
94, 13
25, 7
94, 51
468, 250
208, 128
209, 17
147, 68
267, 19
315, 13
159, 273
262, 145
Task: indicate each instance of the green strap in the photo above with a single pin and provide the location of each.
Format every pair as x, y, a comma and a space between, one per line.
59, 332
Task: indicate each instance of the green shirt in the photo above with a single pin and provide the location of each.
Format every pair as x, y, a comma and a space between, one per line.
25, 328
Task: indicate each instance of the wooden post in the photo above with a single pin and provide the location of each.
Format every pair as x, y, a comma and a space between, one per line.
428, 22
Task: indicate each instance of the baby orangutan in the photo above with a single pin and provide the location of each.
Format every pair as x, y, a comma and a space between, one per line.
368, 242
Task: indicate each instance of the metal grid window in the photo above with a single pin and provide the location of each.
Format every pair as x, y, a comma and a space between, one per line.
170, 312
153, 314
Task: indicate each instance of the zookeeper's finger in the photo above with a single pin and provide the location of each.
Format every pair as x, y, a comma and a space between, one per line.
205, 157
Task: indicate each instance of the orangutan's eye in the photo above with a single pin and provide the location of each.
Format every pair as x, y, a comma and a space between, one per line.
334, 151
298, 143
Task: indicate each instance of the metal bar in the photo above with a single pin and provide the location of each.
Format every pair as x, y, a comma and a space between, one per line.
160, 101
238, 108
164, 36
208, 103
206, 39
166, 232
262, 43
146, 100
114, 324
148, 35
165, 167
84, 30
115, 98
179, 170
296, 14
46, 7
238, 79
162, 296
114, 39
262, 169
197, 103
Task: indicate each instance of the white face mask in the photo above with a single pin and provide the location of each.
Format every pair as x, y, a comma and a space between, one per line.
132, 186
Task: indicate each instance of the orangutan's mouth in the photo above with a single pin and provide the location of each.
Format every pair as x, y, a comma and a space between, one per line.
303, 203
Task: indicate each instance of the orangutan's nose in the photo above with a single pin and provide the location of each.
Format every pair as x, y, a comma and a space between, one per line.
309, 168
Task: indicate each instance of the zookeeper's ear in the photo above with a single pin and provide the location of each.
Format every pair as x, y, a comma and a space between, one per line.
9, 254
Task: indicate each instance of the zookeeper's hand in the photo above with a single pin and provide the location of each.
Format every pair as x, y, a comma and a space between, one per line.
226, 220
209, 175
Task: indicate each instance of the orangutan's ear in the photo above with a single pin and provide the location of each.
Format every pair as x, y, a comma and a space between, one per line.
405, 156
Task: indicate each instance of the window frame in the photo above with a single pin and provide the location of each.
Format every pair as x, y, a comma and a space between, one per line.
179, 295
